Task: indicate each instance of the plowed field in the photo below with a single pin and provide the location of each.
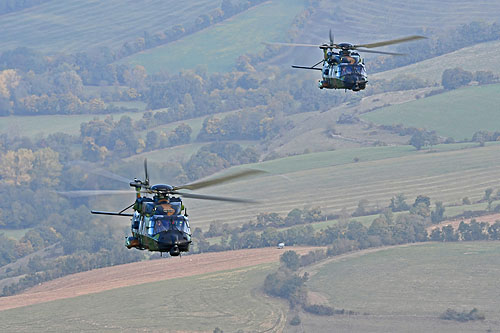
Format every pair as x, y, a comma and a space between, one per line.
108, 278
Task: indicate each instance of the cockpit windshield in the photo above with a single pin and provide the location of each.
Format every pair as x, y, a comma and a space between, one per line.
179, 223
352, 69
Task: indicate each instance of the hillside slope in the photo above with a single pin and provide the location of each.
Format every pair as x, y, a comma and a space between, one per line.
72, 25
99, 280
408, 288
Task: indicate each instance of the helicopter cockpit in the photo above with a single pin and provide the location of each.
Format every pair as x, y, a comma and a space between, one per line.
164, 223
347, 69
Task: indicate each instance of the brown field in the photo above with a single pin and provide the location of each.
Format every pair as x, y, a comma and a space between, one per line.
490, 219
108, 278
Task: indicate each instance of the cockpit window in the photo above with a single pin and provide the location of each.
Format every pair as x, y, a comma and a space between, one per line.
352, 69
165, 224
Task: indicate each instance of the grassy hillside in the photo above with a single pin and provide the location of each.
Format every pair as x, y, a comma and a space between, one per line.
447, 176
228, 299
458, 113
218, 47
72, 25
407, 288
480, 57
370, 20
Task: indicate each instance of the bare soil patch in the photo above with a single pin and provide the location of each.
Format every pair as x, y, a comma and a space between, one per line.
490, 219
108, 278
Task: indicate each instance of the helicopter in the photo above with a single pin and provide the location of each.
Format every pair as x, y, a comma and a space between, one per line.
160, 223
345, 69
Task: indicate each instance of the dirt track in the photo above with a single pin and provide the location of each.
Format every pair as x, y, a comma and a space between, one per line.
99, 280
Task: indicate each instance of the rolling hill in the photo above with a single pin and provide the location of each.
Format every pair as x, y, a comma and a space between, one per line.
217, 48
401, 288
407, 288
479, 57
334, 180
194, 293
72, 25
457, 113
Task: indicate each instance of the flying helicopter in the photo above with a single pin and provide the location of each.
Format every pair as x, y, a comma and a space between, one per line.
345, 69
160, 220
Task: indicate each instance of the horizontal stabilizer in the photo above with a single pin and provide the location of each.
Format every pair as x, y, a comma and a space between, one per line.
303, 67
111, 213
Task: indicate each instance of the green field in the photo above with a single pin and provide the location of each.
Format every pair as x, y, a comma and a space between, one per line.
31, 126
405, 289
457, 113
218, 47
230, 300
446, 176
14, 233
73, 25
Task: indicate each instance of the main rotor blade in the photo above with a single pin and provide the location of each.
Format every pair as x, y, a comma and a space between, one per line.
212, 197
110, 175
218, 180
390, 42
290, 44
91, 193
381, 52
146, 171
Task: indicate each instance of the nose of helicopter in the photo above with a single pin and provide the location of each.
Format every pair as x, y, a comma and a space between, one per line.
355, 82
169, 241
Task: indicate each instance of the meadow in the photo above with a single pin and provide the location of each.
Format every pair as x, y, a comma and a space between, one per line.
407, 288
33, 126
230, 300
458, 113
217, 48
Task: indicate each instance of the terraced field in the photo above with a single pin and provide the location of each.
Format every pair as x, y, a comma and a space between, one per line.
406, 289
72, 25
446, 176
457, 113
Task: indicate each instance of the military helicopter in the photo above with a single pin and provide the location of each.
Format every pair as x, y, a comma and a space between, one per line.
345, 69
160, 223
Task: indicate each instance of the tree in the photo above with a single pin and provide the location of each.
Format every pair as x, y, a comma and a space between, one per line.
454, 78
181, 135
437, 215
485, 77
449, 234
398, 203
291, 260
487, 194
16, 166
436, 235
362, 208
423, 138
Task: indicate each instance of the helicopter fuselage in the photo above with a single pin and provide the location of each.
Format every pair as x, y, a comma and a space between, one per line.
343, 71
158, 225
